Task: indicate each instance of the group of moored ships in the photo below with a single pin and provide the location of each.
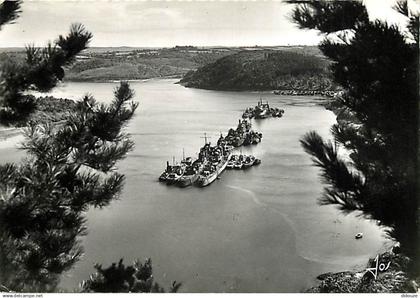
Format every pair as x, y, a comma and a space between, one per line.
261, 111
213, 160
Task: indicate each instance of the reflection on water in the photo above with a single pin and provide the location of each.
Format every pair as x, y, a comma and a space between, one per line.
258, 230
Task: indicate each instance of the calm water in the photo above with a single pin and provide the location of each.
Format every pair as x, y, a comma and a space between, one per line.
259, 230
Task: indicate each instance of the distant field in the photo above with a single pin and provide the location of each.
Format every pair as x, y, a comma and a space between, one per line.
116, 63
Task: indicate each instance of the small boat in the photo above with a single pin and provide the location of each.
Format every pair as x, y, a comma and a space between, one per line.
175, 175
277, 112
230, 165
248, 162
172, 178
262, 110
247, 115
256, 137
358, 236
257, 162
238, 165
163, 177
175, 171
248, 139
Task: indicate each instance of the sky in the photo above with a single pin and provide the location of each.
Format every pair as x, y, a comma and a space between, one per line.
170, 23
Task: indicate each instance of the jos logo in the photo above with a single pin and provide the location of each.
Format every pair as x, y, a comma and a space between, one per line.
379, 267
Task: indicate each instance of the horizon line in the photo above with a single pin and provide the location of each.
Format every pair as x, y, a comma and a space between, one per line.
194, 46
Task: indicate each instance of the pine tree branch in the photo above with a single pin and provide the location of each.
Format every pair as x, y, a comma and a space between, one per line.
9, 11
345, 186
329, 16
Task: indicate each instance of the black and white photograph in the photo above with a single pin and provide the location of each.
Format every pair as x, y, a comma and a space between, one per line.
219, 146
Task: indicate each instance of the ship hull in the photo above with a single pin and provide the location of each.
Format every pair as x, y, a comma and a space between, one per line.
247, 165
187, 180
171, 181
204, 181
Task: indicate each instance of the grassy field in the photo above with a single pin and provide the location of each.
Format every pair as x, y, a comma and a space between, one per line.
107, 64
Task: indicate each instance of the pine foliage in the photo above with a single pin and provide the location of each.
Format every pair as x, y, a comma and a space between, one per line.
42, 69
9, 11
137, 278
376, 64
70, 167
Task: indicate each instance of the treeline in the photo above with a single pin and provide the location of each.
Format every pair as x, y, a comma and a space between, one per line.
263, 70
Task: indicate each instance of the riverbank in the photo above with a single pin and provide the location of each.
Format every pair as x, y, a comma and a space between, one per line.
390, 277
10, 137
48, 110
326, 93
107, 80
9, 132
392, 280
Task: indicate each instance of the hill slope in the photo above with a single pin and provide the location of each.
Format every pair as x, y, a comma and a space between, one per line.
139, 63
262, 70
105, 64
280, 67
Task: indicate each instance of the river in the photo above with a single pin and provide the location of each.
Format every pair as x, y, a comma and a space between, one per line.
259, 230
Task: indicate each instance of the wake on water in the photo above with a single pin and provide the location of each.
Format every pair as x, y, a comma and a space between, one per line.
286, 218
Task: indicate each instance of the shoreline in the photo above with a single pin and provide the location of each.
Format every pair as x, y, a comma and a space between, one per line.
393, 280
298, 92
119, 80
327, 94
9, 132
11, 142
10, 136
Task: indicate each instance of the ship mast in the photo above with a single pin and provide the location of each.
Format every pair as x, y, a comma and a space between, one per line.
205, 138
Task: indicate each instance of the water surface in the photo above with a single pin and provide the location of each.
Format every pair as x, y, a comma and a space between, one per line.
258, 230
